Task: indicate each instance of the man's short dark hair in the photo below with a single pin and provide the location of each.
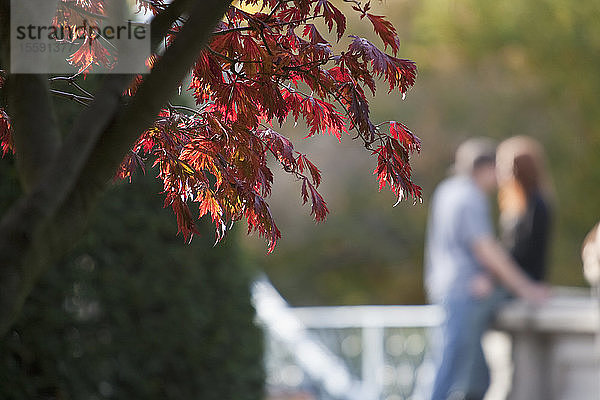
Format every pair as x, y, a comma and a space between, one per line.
473, 154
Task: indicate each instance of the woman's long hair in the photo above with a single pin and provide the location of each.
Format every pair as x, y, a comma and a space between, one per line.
521, 167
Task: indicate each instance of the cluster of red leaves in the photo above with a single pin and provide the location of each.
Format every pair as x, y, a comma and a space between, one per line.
6, 141
393, 167
75, 14
90, 53
220, 167
259, 68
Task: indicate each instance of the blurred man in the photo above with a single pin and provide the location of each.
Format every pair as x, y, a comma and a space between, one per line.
466, 271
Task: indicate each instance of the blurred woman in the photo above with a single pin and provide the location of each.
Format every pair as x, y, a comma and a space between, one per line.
524, 203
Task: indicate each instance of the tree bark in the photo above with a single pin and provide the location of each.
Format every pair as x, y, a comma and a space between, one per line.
36, 138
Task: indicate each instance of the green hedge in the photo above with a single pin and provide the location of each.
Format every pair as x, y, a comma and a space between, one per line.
134, 313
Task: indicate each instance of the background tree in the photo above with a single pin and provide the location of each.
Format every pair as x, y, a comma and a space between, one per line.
249, 70
133, 312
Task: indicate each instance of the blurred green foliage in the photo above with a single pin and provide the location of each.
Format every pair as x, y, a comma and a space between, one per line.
486, 68
134, 313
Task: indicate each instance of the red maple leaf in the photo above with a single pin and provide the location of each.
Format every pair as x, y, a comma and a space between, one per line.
332, 15
386, 31
409, 140
399, 73
318, 205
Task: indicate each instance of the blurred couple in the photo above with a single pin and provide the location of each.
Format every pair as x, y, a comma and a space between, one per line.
468, 270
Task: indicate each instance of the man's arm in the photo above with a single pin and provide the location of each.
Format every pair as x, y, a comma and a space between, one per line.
498, 262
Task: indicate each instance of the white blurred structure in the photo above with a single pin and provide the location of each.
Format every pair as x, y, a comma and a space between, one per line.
555, 347
315, 359
297, 330
372, 322
550, 352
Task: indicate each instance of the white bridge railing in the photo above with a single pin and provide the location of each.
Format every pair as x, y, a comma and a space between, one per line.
550, 352
352, 352
385, 331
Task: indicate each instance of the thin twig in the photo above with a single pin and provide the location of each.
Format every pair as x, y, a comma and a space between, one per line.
232, 60
184, 108
72, 96
277, 25
358, 3
71, 81
274, 10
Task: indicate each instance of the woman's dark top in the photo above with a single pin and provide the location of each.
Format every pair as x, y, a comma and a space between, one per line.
527, 237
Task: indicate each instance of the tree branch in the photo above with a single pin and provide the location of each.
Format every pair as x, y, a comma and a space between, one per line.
35, 147
4, 32
42, 226
37, 140
157, 88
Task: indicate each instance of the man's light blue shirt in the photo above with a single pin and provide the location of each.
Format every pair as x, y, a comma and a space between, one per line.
459, 215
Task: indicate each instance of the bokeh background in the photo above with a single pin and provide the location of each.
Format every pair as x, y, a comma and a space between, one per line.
485, 68
134, 312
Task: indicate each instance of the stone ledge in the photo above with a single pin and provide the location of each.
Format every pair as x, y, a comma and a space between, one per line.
555, 346
570, 310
